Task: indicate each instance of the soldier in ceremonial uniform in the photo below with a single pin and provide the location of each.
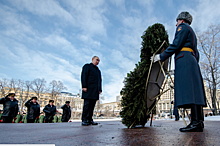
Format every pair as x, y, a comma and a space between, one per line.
10, 108
33, 110
50, 111
188, 86
66, 112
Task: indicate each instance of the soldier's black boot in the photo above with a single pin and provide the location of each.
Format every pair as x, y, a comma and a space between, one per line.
197, 118
193, 127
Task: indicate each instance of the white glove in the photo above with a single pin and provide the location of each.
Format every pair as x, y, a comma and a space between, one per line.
156, 58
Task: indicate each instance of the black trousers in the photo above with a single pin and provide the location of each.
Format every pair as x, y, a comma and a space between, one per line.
30, 120
88, 108
197, 114
65, 119
7, 119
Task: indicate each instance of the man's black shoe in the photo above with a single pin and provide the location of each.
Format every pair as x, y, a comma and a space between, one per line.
85, 123
93, 123
198, 127
202, 124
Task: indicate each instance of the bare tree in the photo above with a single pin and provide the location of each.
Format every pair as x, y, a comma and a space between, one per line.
24, 93
4, 90
209, 44
15, 85
55, 88
39, 87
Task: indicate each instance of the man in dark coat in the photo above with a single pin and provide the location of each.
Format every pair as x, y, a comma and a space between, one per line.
10, 108
175, 112
33, 110
91, 88
50, 111
66, 112
189, 87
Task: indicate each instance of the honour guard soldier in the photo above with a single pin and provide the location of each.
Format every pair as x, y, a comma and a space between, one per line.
33, 110
66, 112
10, 108
188, 86
50, 111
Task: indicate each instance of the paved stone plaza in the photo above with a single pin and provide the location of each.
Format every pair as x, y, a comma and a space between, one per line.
162, 133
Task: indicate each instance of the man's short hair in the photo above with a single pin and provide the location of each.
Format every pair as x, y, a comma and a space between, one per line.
94, 57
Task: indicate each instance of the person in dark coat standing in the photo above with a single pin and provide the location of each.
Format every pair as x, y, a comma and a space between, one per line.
175, 112
50, 111
33, 110
66, 112
10, 108
189, 87
91, 88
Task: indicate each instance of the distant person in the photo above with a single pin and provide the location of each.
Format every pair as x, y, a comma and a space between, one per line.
91, 88
50, 111
10, 108
66, 112
175, 112
33, 110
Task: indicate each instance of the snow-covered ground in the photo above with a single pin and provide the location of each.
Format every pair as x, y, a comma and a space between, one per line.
96, 120
212, 118
209, 118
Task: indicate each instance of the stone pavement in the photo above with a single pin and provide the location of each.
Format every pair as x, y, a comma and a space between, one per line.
162, 133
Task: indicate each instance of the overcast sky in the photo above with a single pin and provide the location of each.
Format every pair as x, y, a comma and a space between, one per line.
53, 39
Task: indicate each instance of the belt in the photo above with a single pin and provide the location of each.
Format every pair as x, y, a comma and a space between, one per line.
187, 49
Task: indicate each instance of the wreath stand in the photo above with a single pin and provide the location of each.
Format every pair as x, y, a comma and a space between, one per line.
157, 78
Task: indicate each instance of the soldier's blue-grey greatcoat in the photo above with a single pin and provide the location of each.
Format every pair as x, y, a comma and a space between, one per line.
189, 88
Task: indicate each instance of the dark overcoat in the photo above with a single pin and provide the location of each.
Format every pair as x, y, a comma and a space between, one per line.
91, 79
10, 107
49, 111
66, 113
33, 110
189, 87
